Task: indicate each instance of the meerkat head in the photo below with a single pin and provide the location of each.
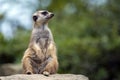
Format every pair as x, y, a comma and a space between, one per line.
42, 16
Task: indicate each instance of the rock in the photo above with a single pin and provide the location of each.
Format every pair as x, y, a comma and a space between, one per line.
15, 71
10, 69
42, 77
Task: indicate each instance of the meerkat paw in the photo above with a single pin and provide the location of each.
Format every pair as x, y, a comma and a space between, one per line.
29, 72
45, 73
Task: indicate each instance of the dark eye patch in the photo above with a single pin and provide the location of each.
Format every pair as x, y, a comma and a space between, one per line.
44, 13
35, 17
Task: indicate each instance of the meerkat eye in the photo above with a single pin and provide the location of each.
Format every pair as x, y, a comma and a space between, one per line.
44, 13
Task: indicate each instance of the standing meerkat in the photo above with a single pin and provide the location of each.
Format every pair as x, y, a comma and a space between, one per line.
40, 56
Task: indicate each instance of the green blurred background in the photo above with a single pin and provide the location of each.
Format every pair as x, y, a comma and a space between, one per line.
86, 32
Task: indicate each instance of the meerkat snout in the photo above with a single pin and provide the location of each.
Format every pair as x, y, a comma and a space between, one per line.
51, 15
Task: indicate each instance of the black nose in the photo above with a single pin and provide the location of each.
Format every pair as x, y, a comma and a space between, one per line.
52, 14
35, 18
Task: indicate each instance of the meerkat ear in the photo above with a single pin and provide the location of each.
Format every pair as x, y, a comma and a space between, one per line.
35, 18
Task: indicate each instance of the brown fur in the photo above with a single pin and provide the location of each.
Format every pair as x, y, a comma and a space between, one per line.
40, 56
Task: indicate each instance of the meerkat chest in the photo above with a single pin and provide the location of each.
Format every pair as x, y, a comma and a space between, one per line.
42, 34
42, 38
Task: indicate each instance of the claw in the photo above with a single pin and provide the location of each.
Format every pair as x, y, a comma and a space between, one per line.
45, 73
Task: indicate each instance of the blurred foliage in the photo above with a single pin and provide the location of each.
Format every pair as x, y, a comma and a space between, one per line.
88, 39
15, 46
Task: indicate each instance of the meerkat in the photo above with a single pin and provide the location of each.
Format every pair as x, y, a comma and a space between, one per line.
40, 56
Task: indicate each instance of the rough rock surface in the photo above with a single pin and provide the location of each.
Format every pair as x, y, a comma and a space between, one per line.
42, 77
10, 69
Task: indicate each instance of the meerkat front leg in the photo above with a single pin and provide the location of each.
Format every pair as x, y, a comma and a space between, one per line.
52, 65
26, 61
